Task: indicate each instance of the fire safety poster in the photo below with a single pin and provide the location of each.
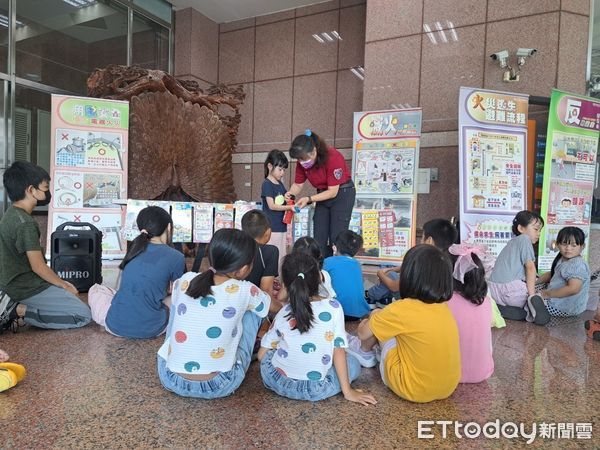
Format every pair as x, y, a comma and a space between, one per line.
492, 165
385, 162
88, 167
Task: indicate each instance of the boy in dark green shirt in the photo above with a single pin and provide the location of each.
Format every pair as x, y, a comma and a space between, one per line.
31, 291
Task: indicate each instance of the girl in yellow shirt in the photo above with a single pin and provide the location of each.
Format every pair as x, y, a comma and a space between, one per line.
418, 336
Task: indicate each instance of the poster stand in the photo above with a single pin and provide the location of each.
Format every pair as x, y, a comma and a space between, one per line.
88, 167
492, 165
569, 169
385, 161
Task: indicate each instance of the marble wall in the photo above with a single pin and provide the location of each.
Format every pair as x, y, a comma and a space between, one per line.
294, 82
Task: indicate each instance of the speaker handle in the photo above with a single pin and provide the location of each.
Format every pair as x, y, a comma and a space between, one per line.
77, 225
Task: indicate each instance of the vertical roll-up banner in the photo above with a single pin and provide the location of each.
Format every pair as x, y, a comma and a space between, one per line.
492, 165
569, 169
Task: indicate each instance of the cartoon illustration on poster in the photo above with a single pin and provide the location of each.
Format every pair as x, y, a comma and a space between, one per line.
355, 222
570, 203
497, 176
573, 157
203, 222
108, 223
301, 223
385, 167
131, 230
223, 215
89, 149
242, 208
181, 213
86, 190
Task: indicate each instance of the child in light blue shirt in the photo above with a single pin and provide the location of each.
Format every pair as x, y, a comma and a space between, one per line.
346, 275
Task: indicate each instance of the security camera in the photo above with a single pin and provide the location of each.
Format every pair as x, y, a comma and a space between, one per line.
501, 57
522, 52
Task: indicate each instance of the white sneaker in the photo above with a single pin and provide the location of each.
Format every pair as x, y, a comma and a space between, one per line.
366, 359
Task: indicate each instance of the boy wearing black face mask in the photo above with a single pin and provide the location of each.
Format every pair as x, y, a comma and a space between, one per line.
30, 291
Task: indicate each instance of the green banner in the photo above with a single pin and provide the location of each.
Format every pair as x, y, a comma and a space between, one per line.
82, 111
569, 169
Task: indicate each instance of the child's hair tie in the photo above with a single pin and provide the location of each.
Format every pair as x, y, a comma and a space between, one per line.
212, 269
308, 132
301, 275
144, 231
464, 262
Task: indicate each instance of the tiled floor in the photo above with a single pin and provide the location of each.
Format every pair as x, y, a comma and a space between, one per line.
87, 389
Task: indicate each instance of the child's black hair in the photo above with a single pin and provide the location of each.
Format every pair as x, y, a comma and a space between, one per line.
303, 144
309, 246
229, 250
443, 233
19, 176
255, 223
524, 218
277, 159
348, 243
426, 275
301, 277
151, 221
567, 235
474, 287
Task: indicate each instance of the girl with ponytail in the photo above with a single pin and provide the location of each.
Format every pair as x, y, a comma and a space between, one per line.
140, 307
214, 320
303, 354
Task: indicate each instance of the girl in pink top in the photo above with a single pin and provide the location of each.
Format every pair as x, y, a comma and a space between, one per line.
472, 311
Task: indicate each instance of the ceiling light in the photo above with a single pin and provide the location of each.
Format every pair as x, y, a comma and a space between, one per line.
337, 35
80, 3
440, 29
452, 31
326, 36
359, 75
4, 21
429, 33
318, 38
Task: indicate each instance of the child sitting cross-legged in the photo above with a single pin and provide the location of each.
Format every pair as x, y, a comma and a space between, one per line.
472, 310
418, 336
213, 322
302, 355
346, 275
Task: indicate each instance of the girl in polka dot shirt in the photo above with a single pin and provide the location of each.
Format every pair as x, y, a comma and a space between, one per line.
303, 354
213, 322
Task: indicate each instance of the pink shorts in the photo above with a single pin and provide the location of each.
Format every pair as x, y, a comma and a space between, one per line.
99, 299
279, 240
513, 293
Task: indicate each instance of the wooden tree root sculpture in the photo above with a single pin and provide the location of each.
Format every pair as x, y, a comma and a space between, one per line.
180, 138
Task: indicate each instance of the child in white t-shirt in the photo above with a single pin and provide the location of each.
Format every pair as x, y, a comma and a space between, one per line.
214, 319
303, 354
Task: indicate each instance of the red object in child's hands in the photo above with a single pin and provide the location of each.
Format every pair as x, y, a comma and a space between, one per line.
289, 214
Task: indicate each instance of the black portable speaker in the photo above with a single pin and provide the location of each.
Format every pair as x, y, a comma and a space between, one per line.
76, 254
